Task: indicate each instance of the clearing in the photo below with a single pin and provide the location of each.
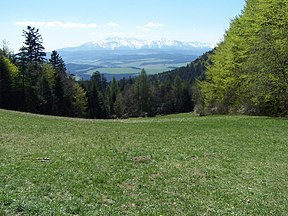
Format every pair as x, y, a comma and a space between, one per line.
173, 165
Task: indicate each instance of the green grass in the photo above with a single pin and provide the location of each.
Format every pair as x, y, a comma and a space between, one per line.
174, 165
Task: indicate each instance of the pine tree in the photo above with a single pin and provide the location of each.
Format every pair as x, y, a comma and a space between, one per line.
33, 50
114, 90
58, 64
30, 61
94, 108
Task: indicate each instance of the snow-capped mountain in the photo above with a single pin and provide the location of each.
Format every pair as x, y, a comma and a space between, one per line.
137, 44
129, 55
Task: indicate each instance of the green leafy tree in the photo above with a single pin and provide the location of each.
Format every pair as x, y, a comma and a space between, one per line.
7, 71
80, 101
58, 91
6, 52
119, 106
249, 70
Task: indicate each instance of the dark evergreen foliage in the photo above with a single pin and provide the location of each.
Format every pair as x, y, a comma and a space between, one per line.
40, 86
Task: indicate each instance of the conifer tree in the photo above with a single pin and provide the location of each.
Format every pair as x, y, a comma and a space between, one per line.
30, 60
142, 93
33, 50
114, 90
58, 64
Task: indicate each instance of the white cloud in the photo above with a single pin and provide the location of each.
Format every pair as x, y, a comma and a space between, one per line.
56, 24
143, 28
148, 26
153, 24
112, 24
109, 34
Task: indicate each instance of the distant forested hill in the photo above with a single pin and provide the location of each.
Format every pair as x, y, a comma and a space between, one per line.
195, 70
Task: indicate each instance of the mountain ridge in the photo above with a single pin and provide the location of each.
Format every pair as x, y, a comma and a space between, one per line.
117, 43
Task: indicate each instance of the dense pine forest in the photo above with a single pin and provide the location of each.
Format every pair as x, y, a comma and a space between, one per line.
246, 73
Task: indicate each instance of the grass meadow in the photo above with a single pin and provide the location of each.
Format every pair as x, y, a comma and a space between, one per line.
172, 165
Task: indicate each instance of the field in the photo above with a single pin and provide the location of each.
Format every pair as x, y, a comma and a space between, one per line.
121, 70
124, 63
173, 165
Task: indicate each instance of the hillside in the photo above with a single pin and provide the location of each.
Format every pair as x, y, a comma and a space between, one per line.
174, 165
194, 70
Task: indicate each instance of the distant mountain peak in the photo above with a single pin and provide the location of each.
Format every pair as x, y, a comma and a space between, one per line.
116, 43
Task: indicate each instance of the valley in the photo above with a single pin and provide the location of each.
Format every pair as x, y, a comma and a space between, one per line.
126, 57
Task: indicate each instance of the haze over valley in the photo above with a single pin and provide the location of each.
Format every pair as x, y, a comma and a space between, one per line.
124, 57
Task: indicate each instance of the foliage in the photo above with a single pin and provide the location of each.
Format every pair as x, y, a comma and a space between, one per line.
28, 82
142, 93
8, 82
80, 101
31, 83
249, 71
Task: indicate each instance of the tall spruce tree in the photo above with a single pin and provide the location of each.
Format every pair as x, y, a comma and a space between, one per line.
58, 64
30, 60
60, 79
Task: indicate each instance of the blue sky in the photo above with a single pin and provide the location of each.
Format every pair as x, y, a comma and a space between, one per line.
64, 23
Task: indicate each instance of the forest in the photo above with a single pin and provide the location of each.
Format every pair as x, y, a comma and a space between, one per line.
32, 83
246, 73
249, 70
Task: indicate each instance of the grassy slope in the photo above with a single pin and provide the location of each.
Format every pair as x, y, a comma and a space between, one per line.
175, 165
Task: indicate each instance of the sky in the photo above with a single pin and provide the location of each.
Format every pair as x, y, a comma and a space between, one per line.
68, 23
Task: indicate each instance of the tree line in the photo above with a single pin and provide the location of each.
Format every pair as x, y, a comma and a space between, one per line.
31, 82
28, 82
246, 73
249, 69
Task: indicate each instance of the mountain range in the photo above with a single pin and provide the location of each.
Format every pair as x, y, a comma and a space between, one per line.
116, 43
127, 56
